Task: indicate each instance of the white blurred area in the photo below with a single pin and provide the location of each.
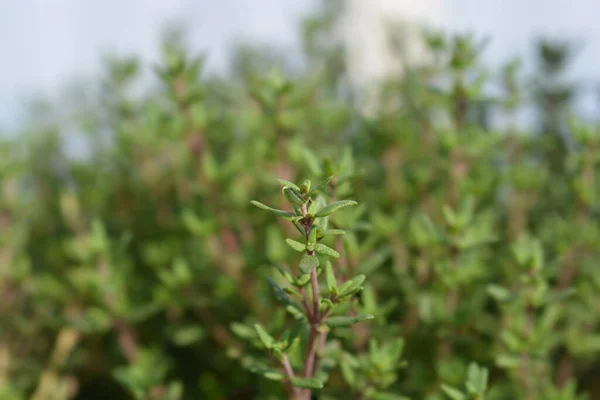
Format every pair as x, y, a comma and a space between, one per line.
45, 43
364, 29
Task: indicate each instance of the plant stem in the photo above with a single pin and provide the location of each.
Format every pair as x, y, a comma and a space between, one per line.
289, 372
315, 319
315, 294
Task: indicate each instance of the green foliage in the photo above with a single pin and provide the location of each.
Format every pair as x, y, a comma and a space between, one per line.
464, 267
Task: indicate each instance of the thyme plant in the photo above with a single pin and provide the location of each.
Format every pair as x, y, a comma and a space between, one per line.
313, 311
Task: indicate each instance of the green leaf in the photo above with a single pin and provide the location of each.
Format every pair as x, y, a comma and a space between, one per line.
292, 291
349, 287
330, 279
302, 280
320, 186
322, 249
195, 225
305, 188
454, 394
312, 162
280, 213
187, 335
273, 375
307, 383
316, 204
333, 232
288, 277
293, 196
339, 321
312, 239
507, 361
374, 261
281, 295
333, 207
348, 373
395, 348
450, 216
299, 247
264, 337
289, 184
258, 368
308, 263
295, 312
369, 299
477, 379
499, 293
289, 336
242, 331
275, 248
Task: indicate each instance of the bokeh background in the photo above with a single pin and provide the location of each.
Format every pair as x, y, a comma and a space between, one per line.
133, 135
47, 44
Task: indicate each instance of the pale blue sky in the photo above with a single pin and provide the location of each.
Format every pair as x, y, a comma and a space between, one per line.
45, 43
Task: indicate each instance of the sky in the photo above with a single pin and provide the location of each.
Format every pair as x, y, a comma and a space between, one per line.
46, 43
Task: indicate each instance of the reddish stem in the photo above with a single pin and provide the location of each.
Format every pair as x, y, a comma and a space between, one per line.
289, 372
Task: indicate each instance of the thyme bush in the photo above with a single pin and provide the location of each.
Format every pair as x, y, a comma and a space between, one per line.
464, 267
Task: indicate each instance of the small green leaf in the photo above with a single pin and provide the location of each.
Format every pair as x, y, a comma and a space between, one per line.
369, 299
292, 291
332, 232
322, 249
294, 311
312, 239
284, 183
395, 349
297, 225
320, 186
334, 322
299, 247
333, 207
281, 295
302, 280
280, 213
507, 361
195, 225
307, 383
350, 286
348, 373
243, 331
188, 335
305, 188
451, 218
316, 204
330, 279
293, 196
288, 277
326, 303
258, 368
290, 335
477, 379
312, 162
374, 261
308, 263
264, 337
273, 375
499, 293
454, 394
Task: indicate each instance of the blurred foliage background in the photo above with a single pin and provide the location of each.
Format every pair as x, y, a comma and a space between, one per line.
131, 257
